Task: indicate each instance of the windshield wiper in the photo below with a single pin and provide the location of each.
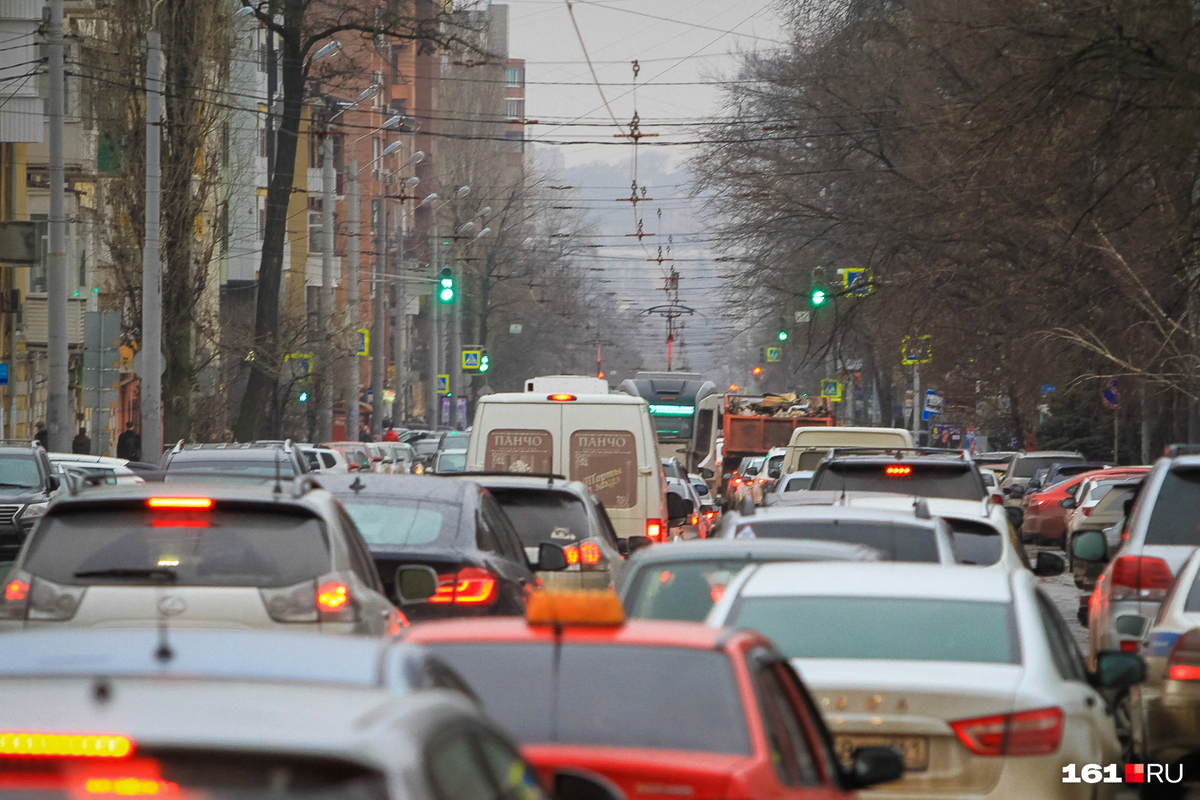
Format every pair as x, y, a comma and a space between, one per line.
158, 574
16, 486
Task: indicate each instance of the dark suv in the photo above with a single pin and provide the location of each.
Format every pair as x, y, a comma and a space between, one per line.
263, 460
27, 484
922, 472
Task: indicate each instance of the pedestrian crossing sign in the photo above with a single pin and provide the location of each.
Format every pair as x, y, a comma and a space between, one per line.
471, 359
364, 342
774, 354
443, 384
832, 390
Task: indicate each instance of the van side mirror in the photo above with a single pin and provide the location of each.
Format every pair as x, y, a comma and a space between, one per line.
415, 583
1089, 546
635, 543
623, 546
1016, 490
1118, 670
551, 558
1049, 564
706, 473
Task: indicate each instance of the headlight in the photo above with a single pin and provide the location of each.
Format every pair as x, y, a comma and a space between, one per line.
33, 511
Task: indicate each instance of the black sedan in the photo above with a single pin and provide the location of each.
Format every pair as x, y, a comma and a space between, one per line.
452, 525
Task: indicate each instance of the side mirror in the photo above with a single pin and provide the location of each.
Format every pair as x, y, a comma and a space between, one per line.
874, 765
1117, 670
678, 507
551, 558
1033, 485
774, 473
706, 473
584, 786
623, 546
1068, 502
1015, 516
415, 583
1089, 546
53, 482
376, 459
1049, 564
1016, 490
1006, 490
635, 543
727, 476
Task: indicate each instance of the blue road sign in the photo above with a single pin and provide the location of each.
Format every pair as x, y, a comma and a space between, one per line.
3, 374
443, 384
1048, 388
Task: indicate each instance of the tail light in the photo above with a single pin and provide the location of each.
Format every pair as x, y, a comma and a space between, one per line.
1184, 662
897, 471
327, 599
1140, 578
1026, 733
589, 553
470, 586
710, 514
572, 554
654, 530
998, 499
694, 520
16, 597
1086, 510
1129, 646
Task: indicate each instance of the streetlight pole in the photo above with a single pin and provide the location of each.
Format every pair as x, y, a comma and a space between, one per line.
434, 312
378, 324
399, 329
58, 406
352, 247
325, 295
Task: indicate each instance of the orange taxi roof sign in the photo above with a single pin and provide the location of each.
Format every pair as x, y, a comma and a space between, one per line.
584, 607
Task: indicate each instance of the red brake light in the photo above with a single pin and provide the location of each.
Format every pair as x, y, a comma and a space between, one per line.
589, 553
179, 502
562, 398
572, 554
654, 529
1184, 672
469, 586
1085, 510
16, 591
897, 470
998, 499
1026, 733
29, 744
709, 514
1129, 646
1145, 577
1183, 664
695, 520
333, 597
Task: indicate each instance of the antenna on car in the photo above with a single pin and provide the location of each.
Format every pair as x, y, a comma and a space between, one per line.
278, 488
164, 653
358, 485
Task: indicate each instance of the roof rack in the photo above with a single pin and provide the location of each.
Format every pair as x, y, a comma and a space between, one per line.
20, 443
898, 452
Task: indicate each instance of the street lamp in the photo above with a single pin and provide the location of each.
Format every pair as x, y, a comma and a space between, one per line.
330, 50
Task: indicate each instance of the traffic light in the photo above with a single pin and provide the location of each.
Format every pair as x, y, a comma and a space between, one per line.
782, 335
485, 363
758, 370
817, 297
303, 398
446, 290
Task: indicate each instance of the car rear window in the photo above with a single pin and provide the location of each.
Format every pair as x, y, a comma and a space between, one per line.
1173, 520
199, 548
398, 522
682, 590
607, 696
954, 481
897, 542
258, 468
975, 542
544, 516
900, 628
1027, 466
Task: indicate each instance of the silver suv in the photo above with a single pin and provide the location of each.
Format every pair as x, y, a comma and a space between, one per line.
1157, 537
198, 554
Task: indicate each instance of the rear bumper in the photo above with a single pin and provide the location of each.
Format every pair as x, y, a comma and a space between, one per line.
1024, 777
1172, 722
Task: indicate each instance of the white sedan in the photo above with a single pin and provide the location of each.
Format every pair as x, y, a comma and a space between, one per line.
111, 471
972, 674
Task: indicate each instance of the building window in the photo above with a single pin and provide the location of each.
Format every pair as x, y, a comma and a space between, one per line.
263, 135
377, 80
37, 274
262, 57
514, 108
316, 239
261, 227
518, 141
514, 77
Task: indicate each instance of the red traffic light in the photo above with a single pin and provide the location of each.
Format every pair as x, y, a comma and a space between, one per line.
758, 370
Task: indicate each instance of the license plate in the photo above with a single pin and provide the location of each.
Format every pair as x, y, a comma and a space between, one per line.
915, 749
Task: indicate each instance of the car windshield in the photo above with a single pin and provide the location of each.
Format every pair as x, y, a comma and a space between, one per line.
266, 467
952, 480
975, 542
541, 515
1173, 520
901, 628
607, 696
19, 472
680, 590
895, 540
1027, 466
391, 522
180, 547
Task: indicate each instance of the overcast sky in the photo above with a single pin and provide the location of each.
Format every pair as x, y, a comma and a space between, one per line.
683, 47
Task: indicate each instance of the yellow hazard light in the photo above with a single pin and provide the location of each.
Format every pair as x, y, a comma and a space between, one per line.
599, 608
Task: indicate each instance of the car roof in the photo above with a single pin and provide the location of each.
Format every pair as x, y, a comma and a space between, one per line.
261, 490
1051, 454
878, 579
838, 512
228, 654
704, 550
232, 454
542, 398
445, 489
635, 632
518, 481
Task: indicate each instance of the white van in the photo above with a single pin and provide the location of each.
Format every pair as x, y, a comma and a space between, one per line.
604, 440
809, 445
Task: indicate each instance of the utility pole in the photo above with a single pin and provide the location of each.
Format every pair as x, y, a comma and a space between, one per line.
399, 329
918, 405
325, 295
456, 375
58, 409
152, 363
432, 392
351, 279
379, 324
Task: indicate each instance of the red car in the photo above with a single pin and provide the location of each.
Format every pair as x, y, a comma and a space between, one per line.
1046, 516
658, 709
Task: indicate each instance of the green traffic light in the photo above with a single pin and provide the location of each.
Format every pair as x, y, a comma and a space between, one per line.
484, 364
303, 397
446, 294
783, 336
818, 296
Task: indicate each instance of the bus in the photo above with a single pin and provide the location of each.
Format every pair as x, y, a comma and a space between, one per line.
685, 408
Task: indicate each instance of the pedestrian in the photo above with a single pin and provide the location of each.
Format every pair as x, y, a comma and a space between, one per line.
390, 434
364, 433
129, 444
42, 436
82, 443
